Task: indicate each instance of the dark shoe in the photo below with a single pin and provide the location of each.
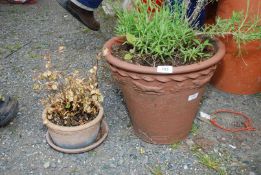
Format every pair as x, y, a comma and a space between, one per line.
8, 110
84, 16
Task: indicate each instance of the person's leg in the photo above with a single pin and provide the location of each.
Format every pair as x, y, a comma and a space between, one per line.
83, 10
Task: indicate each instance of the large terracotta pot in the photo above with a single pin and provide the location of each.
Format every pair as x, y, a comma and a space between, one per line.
74, 137
162, 106
239, 75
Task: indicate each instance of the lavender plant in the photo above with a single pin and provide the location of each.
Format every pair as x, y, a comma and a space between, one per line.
167, 33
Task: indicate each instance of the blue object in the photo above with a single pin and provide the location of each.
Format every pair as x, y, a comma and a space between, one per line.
198, 23
91, 3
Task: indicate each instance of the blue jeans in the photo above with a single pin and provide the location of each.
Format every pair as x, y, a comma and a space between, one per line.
91, 3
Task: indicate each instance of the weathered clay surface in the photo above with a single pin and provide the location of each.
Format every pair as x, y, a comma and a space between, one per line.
74, 137
239, 74
162, 107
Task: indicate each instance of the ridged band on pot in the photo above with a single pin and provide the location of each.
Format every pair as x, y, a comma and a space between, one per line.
76, 136
162, 106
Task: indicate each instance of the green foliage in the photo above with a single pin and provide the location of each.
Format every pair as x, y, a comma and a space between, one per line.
167, 33
238, 26
131, 38
161, 33
128, 56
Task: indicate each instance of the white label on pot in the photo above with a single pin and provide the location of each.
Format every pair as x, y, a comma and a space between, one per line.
204, 115
165, 69
193, 96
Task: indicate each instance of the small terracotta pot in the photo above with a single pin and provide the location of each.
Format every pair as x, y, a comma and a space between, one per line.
239, 74
74, 137
162, 106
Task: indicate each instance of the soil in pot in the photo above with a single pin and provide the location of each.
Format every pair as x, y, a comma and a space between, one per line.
147, 60
80, 118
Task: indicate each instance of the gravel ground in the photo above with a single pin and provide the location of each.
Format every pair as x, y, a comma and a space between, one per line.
29, 32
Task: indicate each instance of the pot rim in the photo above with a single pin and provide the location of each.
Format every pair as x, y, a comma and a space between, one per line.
107, 52
53, 126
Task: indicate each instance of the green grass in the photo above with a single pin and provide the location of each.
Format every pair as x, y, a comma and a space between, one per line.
174, 146
86, 30
93, 153
39, 46
210, 161
156, 170
34, 55
13, 47
258, 95
194, 129
2, 51
2, 97
74, 170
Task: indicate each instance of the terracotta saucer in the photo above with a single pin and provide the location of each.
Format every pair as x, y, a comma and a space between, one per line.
101, 137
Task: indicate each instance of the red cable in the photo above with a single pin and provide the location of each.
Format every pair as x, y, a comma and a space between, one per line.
247, 123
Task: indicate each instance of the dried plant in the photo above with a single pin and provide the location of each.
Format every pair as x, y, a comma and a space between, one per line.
71, 100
